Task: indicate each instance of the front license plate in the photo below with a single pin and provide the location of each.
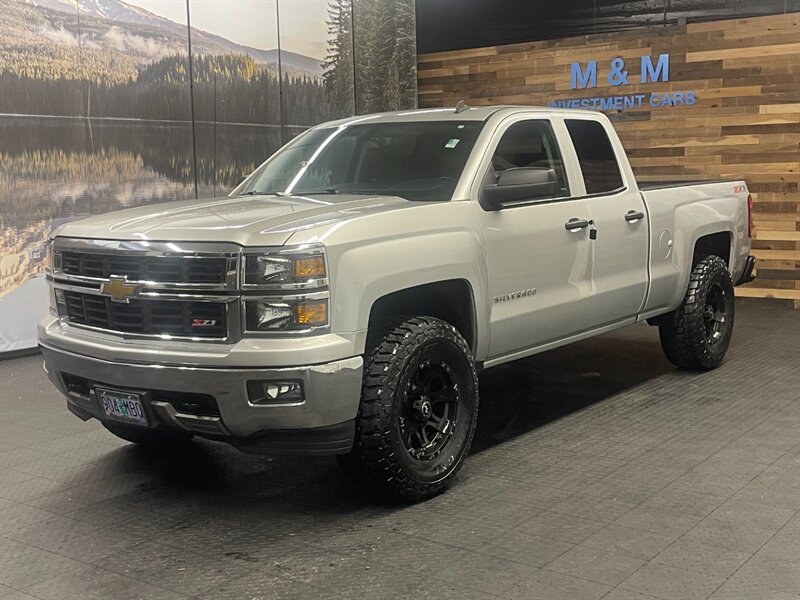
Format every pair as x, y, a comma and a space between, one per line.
122, 406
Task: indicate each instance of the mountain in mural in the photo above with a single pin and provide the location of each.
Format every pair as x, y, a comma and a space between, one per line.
107, 9
145, 36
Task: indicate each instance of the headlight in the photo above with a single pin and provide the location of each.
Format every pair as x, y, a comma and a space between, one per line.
285, 289
52, 258
285, 314
286, 268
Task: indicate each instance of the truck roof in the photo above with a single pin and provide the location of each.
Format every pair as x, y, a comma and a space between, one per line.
470, 113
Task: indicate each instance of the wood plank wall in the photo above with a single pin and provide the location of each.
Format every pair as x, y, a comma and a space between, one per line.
745, 123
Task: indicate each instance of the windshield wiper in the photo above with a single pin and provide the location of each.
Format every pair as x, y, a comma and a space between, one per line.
258, 193
328, 191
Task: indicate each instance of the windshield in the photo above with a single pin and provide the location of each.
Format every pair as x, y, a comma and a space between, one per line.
413, 160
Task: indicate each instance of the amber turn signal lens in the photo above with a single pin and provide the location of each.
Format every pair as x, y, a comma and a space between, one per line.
312, 267
311, 313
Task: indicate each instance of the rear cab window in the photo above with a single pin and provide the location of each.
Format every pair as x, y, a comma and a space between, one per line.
596, 156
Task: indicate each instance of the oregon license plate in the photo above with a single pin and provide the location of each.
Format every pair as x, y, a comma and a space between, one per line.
122, 406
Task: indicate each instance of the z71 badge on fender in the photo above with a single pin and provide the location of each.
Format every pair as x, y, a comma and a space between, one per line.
515, 295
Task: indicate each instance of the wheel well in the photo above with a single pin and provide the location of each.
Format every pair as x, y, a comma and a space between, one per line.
449, 300
718, 244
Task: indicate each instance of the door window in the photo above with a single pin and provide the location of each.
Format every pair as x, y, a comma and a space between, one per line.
595, 155
529, 144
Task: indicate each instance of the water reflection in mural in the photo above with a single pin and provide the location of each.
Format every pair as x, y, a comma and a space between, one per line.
57, 168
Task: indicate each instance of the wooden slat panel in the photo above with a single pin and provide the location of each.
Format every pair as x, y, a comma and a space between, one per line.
754, 292
744, 52
744, 124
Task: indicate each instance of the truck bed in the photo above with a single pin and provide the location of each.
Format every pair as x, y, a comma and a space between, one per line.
660, 185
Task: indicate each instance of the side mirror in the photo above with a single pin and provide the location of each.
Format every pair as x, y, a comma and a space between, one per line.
517, 184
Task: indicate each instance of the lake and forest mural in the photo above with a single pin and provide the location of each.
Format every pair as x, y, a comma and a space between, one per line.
97, 114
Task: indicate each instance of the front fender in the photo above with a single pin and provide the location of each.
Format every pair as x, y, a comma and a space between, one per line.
364, 272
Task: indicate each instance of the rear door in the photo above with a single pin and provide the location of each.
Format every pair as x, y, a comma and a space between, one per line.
620, 251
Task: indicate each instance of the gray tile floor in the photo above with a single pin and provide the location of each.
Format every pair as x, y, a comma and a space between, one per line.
598, 471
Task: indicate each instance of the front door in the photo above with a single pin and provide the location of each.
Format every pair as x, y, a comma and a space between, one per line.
540, 273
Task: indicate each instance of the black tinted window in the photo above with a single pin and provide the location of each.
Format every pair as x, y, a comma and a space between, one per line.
595, 155
530, 144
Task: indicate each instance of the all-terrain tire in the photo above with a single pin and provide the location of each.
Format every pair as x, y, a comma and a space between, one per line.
697, 334
150, 438
419, 360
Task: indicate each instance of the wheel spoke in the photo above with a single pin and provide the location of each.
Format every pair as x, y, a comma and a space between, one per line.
442, 425
408, 433
424, 436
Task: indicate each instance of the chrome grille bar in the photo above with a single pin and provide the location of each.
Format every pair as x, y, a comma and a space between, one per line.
153, 265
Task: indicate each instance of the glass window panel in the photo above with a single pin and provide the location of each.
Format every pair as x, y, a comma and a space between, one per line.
595, 155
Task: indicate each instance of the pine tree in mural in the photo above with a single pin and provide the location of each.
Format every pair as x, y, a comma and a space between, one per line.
338, 64
406, 54
385, 54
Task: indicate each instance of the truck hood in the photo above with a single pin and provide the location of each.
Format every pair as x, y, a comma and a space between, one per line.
246, 220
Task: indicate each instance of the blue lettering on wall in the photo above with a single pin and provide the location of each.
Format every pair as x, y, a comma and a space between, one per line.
661, 70
629, 101
650, 72
617, 75
581, 78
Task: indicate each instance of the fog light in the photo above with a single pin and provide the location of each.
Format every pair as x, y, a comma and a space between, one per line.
276, 392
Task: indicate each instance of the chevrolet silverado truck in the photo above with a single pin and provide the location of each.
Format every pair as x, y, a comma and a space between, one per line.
344, 297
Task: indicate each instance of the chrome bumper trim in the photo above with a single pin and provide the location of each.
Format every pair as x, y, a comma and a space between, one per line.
332, 392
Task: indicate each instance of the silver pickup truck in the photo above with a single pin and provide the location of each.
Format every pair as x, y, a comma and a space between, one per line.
343, 299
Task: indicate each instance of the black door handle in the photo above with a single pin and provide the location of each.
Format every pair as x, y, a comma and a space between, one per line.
576, 224
634, 216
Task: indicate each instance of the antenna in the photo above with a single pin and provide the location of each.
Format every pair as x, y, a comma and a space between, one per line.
461, 107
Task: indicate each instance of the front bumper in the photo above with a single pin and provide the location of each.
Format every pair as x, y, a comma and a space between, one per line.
323, 423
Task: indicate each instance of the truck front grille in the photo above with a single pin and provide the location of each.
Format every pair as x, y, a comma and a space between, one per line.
176, 269
180, 290
148, 316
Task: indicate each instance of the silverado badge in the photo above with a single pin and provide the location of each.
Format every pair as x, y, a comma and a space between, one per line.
515, 295
119, 289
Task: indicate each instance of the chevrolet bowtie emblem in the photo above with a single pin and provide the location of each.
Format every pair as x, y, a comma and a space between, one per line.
119, 289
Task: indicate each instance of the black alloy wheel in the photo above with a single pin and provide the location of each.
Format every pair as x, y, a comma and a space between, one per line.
431, 410
715, 313
696, 335
418, 410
